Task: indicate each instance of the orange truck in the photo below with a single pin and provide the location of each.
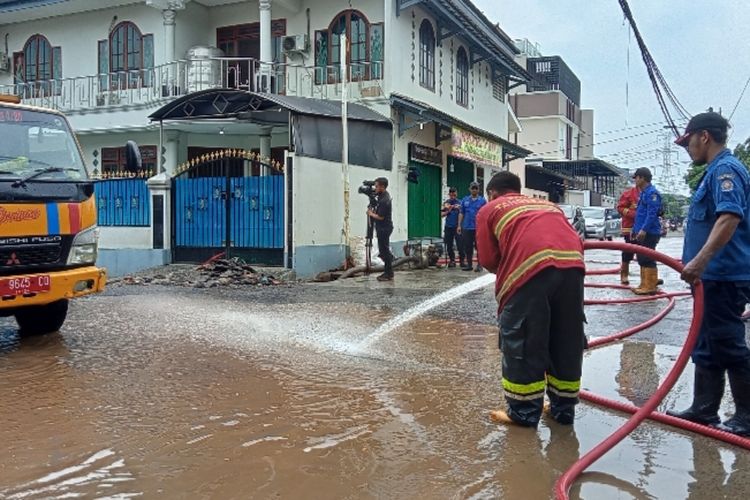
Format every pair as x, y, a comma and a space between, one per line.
48, 229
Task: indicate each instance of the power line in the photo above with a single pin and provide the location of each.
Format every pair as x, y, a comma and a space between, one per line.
658, 82
742, 94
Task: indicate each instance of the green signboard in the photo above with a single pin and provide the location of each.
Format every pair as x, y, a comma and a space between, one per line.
474, 148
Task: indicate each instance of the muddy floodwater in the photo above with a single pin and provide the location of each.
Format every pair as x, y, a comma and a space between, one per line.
269, 393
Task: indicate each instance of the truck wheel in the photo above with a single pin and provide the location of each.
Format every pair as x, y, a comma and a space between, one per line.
40, 320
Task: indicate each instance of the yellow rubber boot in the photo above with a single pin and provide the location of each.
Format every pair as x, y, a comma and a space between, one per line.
625, 273
641, 283
648, 284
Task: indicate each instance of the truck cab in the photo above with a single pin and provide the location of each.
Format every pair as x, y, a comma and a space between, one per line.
48, 229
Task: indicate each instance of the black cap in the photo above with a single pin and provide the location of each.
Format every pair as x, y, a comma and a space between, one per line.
643, 172
474, 185
451, 190
702, 121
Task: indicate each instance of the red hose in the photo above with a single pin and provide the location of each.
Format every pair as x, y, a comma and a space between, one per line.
663, 418
634, 329
566, 480
595, 272
631, 300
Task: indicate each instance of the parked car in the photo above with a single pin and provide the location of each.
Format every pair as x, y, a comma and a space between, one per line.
602, 223
576, 218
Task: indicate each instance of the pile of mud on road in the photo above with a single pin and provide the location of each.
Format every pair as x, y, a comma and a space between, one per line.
226, 273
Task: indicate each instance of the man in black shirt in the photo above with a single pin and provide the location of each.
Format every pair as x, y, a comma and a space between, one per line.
383, 220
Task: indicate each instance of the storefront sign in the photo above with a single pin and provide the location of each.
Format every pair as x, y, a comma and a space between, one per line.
425, 154
475, 148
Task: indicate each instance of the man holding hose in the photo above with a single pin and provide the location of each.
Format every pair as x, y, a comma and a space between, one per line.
538, 259
717, 252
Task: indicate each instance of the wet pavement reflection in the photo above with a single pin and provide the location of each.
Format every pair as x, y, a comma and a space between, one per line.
155, 391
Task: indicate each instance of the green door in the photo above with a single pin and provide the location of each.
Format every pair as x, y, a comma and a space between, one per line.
424, 202
462, 175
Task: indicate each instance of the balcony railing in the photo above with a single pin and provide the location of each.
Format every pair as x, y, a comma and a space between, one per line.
154, 86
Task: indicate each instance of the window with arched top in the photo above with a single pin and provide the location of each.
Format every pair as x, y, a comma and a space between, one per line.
126, 58
37, 67
462, 77
37, 54
427, 55
364, 51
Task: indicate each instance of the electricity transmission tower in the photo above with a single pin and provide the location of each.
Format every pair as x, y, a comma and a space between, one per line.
667, 177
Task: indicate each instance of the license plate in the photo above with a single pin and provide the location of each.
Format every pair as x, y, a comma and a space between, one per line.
24, 285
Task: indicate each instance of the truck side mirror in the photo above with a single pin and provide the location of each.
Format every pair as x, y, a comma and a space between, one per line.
133, 161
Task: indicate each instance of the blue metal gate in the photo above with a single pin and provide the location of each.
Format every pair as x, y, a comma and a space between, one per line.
228, 202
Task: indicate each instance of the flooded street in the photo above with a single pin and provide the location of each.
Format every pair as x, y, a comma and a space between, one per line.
279, 392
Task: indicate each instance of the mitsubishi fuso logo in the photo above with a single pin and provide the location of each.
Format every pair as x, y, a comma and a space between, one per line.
13, 261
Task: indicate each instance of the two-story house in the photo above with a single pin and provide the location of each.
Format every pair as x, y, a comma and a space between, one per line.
559, 132
251, 91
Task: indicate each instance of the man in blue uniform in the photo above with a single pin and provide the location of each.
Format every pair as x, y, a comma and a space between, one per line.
717, 252
467, 223
451, 210
647, 229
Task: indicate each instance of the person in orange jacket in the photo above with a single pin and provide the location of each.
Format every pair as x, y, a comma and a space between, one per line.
626, 206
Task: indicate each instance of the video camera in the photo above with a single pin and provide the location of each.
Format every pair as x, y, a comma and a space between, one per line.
368, 188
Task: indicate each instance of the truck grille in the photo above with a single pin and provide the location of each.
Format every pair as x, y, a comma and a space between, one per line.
30, 255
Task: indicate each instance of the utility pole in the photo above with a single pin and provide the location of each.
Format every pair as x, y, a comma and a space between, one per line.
345, 143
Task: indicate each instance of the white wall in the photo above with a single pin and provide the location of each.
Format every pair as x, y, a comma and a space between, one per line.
125, 237
402, 74
319, 201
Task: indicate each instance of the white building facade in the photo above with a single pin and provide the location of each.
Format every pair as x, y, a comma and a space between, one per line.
559, 133
436, 71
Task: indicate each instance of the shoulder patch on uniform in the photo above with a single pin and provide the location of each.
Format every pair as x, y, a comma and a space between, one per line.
654, 197
727, 185
728, 175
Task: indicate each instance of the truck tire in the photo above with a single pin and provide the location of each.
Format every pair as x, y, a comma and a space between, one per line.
40, 320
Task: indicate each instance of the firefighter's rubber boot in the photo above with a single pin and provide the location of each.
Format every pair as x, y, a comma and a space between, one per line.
642, 280
708, 389
625, 273
739, 382
648, 282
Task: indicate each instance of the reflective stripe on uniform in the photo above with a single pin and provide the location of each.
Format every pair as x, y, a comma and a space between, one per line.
524, 392
563, 388
506, 218
534, 260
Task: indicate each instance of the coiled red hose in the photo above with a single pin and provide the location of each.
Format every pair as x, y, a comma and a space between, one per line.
566, 480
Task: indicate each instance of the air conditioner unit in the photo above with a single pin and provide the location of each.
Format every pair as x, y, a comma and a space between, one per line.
294, 43
4, 62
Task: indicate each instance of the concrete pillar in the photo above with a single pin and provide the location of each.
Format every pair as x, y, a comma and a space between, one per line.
171, 152
265, 147
266, 54
169, 17
169, 10
160, 187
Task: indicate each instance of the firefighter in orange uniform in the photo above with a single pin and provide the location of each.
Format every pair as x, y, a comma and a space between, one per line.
626, 206
538, 260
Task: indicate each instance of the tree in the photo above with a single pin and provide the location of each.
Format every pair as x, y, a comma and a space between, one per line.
742, 152
672, 205
695, 172
693, 176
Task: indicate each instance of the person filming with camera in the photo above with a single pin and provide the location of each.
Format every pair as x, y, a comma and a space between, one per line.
381, 216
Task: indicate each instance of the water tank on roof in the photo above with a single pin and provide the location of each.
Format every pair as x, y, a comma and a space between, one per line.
204, 69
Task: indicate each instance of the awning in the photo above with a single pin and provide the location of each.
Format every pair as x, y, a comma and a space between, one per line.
257, 107
588, 168
421, 112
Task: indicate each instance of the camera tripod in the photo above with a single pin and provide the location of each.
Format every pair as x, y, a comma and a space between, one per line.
368, 243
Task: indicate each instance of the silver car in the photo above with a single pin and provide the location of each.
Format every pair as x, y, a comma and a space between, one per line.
602, 223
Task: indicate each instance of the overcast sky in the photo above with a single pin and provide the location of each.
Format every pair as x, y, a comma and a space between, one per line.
701, 46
